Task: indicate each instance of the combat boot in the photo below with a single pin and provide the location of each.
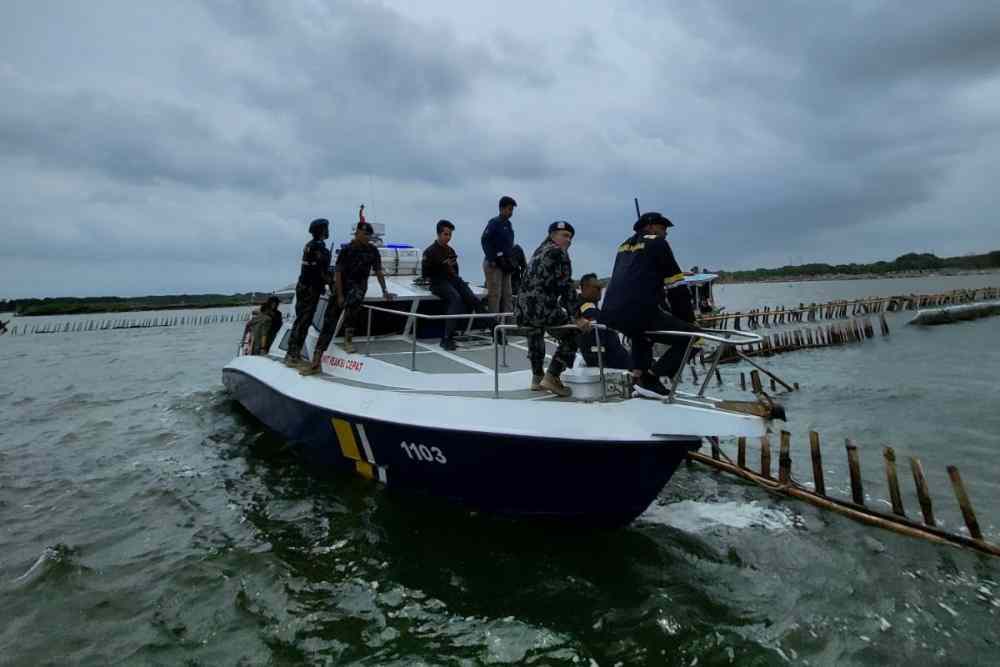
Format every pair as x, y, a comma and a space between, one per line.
349, 341
554, 384
315, 368
536, 383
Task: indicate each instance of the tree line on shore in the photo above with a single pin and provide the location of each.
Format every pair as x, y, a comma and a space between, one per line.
908, 263
118, 304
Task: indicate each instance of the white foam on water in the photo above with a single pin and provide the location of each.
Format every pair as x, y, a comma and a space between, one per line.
696, 517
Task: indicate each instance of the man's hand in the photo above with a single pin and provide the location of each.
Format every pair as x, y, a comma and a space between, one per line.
583, 324
389, 296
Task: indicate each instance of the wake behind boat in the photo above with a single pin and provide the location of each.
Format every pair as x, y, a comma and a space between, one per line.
464, 425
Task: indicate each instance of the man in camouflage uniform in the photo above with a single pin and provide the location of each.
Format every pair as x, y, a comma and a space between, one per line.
355, 263
548, 299
313, 277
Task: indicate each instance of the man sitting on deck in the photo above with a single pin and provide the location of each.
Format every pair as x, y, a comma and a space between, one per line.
615, 354
440, 267
355, 263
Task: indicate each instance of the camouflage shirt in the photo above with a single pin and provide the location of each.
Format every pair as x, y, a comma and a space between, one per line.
315, 265
355, 263
547, 296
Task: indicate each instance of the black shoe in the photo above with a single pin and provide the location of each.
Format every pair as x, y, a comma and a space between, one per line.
448, 344
652, 384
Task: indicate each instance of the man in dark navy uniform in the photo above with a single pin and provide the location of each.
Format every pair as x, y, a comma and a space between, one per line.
313, 277
615, 354
644, 269
356, 261
498, 263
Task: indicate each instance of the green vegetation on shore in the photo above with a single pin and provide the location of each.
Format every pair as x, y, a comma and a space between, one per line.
910, 263
117, 304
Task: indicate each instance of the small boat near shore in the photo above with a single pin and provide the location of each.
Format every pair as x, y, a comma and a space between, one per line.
464, 425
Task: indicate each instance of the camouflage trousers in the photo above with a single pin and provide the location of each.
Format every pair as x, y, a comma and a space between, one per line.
354, 295
566, 342
306, 300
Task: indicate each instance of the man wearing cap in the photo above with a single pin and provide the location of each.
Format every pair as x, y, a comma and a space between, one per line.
440, 267
355, 263
313, 277
634, 303
498, 263
548, 299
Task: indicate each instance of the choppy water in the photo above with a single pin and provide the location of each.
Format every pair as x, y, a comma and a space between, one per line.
146, 519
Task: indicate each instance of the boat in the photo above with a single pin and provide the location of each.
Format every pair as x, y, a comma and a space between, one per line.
464, 425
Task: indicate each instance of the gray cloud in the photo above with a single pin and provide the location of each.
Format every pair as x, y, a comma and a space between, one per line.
202, 136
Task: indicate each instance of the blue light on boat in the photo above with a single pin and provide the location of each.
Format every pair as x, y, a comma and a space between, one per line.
398, 245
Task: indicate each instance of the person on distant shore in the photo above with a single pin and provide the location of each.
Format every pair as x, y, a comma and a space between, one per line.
634, 302
356, 261
313, 277
440, 267
498, 263
615, 354
549, 299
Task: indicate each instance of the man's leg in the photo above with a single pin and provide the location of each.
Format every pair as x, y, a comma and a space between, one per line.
668, 364
330, 318
452, 306
306, 301
565, 353
506, 299
494, 277
536, 355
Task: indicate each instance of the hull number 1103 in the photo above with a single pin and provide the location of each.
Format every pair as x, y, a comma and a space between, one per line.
423, 452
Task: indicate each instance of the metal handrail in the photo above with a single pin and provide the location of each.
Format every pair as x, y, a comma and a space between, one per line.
421, 316
561, 327
722, 336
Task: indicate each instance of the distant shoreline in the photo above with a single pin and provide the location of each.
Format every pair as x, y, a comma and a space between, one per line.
897, 275
98, 305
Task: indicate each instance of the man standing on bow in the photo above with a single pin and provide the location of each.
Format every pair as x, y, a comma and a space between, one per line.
634, 303
355, 263
548, 299
498, 263
313, 277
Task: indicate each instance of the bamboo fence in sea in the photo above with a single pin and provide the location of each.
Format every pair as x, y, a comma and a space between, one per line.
767, 317
94, 324
857, 507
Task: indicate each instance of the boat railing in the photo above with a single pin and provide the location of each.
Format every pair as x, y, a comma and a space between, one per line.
724, 337
417, 317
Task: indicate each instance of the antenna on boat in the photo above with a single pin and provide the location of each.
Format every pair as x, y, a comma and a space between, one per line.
637, 213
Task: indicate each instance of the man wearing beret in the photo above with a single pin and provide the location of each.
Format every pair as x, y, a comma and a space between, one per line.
645, 272
548, 299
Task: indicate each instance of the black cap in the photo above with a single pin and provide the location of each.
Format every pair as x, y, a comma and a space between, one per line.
651, 218
318, 224
562, 224
506, 201
365, 226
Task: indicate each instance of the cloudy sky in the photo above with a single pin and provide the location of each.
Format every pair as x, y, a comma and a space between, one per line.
184, 145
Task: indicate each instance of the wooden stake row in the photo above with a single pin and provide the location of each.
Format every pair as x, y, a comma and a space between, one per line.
855, 331
104, 325
857, 507
842, 309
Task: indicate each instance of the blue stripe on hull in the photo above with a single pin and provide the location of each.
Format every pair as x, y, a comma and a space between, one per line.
598, 481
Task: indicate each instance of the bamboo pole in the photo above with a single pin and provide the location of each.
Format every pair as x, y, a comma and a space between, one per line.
765, 457
817, 462
893, 481
964, 503
857, 492
785, 459
926, 507
741, 452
